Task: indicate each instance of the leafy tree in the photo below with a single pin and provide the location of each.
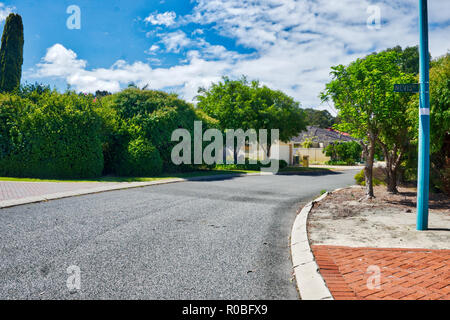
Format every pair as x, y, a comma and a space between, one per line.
319, 118
307, 143
408, 58
439, 117
238, 104
395, 131
102, 93
11, 54
348, 152
362, 94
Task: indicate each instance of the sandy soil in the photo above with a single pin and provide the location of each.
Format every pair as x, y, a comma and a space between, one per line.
388, 221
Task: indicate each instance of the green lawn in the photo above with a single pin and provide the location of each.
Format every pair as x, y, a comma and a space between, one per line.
199, 173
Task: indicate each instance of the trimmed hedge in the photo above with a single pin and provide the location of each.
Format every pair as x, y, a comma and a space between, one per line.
147, 115
140, 158
53, 136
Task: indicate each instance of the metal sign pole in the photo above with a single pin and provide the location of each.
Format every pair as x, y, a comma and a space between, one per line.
423, 180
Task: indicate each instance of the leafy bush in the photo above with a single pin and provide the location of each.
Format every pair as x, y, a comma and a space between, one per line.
152, 115
283, 164
347, 153
51, 135
308, 143
377, 180
141, 158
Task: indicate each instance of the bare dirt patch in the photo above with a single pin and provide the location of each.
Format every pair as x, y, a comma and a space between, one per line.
388, 221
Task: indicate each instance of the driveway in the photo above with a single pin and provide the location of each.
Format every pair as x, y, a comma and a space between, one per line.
222, 239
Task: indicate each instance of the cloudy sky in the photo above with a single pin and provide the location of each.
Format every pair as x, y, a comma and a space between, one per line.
178, 46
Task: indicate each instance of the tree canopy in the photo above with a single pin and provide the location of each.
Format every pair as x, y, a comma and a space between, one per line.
362, 93
239, 104
11, 54
319, 118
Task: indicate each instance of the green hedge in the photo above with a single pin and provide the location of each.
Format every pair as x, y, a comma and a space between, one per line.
50, 136
45, 134
147, 115
140, 159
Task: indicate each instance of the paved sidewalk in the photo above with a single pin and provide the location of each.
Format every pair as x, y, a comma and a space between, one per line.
12, 190
356, 243
405, 274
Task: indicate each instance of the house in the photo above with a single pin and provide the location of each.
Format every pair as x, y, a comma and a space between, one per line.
293, 151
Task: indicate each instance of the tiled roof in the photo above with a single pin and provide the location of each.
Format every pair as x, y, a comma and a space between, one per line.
325, 136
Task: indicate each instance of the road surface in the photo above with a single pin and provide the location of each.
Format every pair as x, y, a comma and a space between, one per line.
222, 239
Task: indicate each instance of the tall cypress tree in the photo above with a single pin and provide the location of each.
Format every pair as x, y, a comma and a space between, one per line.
11, 53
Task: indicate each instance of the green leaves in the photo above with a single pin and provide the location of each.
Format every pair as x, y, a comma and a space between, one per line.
141, 120
54, 136
11, 54
240, 104
362, 92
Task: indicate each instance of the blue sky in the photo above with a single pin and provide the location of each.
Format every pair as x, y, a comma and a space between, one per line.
178, 46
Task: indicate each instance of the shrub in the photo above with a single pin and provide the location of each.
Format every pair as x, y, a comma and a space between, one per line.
308, 143
153, 115
283, 164
346, 153
377, 180
140, 158
54, 136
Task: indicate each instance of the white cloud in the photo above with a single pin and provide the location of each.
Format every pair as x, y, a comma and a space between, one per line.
153, 49
166, 18
294, 42
175, 41
197, 32
5, 11
62, 62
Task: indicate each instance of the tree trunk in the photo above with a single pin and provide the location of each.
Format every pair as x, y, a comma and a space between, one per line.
392, 181
269, 146
392, 164
369, 154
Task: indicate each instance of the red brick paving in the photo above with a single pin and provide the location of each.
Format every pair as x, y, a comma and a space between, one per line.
406, 274
11, 190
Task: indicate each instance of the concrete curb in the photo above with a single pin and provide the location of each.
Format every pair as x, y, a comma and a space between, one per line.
119, 186
309, 280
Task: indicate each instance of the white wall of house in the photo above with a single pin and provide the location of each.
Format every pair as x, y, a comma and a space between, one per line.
282, 151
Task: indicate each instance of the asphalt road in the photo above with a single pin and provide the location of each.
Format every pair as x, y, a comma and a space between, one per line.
223, 239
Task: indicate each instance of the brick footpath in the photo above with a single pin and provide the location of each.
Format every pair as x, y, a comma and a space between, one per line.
406, 274
12, 190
